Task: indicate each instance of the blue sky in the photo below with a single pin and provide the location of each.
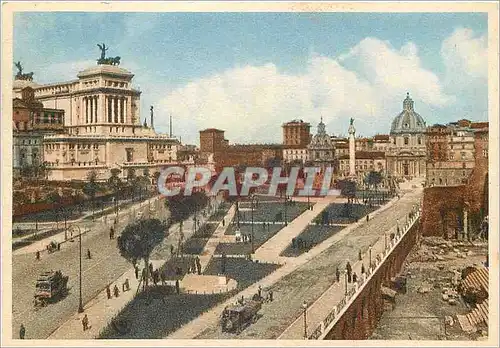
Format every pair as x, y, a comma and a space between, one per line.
248, 73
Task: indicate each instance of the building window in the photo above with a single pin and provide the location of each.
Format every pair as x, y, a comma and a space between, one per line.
464, 165
462, 155
406, 140
452, 155
485, 153
419, 141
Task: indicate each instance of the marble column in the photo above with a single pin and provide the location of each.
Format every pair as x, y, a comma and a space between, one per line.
352, 150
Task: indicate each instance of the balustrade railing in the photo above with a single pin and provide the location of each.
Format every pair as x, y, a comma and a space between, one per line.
334, 314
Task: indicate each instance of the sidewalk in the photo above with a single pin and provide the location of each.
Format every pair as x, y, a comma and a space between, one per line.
270, 250
216, 238
100, 310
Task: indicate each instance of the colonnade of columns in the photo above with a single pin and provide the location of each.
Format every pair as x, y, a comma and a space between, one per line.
116, 109
105, 109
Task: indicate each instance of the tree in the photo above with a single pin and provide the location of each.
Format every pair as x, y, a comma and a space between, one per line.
91, 188
181, 207
138, 240
115, 183
374, 179
348, 190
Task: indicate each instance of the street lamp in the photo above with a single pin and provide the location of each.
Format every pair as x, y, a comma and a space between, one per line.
251, 205
346, 281
80, 303
370, 251
304, 306
385, 238
286, 223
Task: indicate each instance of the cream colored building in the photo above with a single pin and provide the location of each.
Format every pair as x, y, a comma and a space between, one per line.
103, 127
406, 153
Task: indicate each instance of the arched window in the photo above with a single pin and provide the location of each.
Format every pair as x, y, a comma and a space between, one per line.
406, 140
419, 141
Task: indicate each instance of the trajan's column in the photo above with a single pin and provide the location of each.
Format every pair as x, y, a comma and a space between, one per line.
352, 150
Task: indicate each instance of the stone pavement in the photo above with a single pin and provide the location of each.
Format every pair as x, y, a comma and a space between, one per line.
101, 310
216, 238
209, 319
320, 309
271, 249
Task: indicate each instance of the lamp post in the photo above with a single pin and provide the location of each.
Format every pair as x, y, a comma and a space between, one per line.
385, 239
251, 205
346, 281
370, 251
286, 223
304, 306
80, 303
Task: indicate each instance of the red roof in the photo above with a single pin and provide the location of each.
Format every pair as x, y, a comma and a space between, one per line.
478, 125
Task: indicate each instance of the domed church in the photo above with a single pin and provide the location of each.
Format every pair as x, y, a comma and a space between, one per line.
407, 152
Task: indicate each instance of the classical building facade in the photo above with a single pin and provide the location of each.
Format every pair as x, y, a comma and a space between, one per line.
30, 123
103, 129
321, 151
450, 153
296, 137
365, 162
406, 154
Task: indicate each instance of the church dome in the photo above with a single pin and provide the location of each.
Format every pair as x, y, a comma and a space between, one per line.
408, 121
321, 138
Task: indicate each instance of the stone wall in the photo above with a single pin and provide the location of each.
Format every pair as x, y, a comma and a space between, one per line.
362, 316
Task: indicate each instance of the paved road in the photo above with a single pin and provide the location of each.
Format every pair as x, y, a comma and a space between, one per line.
310, 280
105, 266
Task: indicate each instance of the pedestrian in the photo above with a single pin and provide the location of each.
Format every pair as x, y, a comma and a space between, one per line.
223, 222
116, 291
259, 291
38, 255
177, 287
58, 246
367, 218
363, 268
22, 332
171, 249
126, 285
360, 255
349, 272
163, 278
88, 254
85, 322
156, 277
151, 269
111, 233
136, 270
270, 296
108, 292
337, 274
354, 277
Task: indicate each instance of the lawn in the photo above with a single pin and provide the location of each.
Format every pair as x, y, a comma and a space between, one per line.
267, 212
312, 235
261, 234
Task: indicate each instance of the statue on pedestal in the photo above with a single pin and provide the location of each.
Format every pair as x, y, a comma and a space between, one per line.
109, 60
20, 75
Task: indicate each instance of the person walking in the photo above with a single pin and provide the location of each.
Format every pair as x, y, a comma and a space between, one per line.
85, 322
337, 274
38, 255
223, 222
349, 272
360, 255
88, 254
136, 270
111, 233
22, 332
116, 291
270, 296
177, 287
363, 270
259, 291
108, 292
354, 277
126, 285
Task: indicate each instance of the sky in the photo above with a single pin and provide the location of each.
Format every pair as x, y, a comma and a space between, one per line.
248, 73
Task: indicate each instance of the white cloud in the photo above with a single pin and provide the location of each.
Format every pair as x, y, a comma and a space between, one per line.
465, 56
251, 102
65, 71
